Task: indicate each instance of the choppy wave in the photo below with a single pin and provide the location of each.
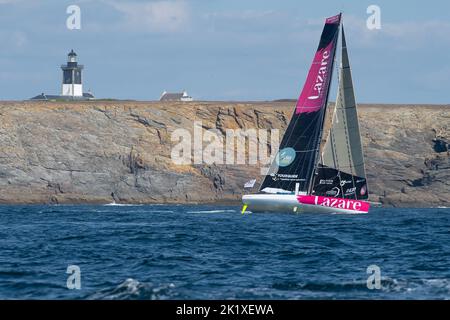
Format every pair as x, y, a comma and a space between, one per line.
387, 285
133, 289
205, 252
213, 211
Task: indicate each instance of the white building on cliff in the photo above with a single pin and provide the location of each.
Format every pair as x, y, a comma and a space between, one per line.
175, 96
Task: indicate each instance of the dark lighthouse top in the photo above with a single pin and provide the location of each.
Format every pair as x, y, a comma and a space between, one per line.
72, 70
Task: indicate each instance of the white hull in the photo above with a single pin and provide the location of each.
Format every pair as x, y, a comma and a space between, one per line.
287, 203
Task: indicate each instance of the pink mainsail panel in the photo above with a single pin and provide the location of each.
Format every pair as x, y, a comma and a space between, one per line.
333, 19
315, 90
339, 203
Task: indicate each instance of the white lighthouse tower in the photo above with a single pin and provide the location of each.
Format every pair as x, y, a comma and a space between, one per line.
71, 83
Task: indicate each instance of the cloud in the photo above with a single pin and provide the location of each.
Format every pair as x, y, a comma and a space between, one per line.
14, 39
426, 30
251, 21
244, 15
402, 35
19, 38
154, 16
256, 28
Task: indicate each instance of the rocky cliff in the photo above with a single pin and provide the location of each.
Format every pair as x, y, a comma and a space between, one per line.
97, 152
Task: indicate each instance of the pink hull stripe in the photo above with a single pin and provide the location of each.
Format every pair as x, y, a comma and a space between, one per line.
338, 203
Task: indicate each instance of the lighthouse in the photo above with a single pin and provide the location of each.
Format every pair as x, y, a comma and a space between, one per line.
71, 82
72, 88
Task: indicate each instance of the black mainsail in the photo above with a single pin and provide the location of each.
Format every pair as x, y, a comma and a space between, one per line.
299, 148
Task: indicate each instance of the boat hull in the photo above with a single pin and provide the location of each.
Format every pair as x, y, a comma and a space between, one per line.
303, 204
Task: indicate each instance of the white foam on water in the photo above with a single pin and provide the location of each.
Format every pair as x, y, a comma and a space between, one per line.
438, 283
132, 288
122, 204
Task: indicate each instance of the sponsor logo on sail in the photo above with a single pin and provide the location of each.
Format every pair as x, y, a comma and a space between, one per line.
321, 76
283, 176
333, 192
363, 190
325, 181
285, 157
344, 182
350, 191
289, 176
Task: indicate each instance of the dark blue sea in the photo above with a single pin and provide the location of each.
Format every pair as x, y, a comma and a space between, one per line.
214, 252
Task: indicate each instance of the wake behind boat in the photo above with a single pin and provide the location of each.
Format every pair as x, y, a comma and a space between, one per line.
308, 175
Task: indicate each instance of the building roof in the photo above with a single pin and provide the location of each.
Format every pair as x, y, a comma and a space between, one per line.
175, 96
46, 97
168, 96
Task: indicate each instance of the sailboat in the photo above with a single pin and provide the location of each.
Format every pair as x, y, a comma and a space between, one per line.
308, 174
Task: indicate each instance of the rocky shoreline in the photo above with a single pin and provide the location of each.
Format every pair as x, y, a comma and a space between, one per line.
105, 151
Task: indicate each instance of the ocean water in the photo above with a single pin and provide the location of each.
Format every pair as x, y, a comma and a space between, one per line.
214, 252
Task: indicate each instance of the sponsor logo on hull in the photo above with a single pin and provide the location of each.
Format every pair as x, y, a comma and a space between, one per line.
338, 203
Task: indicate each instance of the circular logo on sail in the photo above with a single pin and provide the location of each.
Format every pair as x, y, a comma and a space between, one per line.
363, 190
285, 157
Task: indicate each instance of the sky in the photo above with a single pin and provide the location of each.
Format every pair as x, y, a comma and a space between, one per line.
223, 49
